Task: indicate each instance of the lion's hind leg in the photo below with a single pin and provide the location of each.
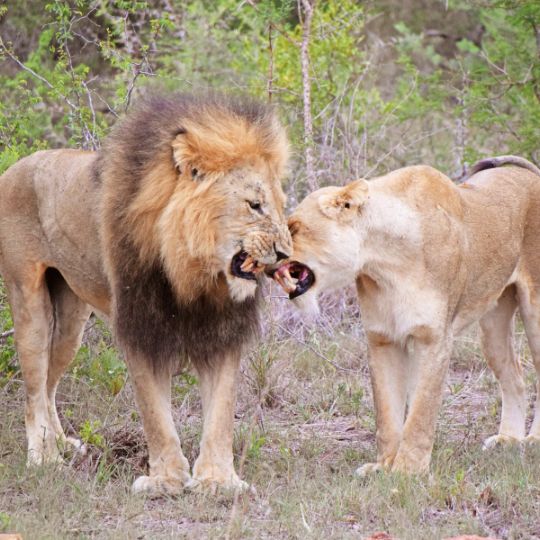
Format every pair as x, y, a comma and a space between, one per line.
33, 320
70, 315
498, 346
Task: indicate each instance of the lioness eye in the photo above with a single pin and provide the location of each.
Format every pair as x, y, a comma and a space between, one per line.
255, 205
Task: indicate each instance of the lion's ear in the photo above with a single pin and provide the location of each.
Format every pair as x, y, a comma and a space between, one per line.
180, 150
345, 203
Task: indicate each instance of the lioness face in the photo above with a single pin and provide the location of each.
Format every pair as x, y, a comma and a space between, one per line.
325, 230
251, 230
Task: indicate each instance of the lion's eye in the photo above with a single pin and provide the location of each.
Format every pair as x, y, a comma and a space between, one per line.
255, 205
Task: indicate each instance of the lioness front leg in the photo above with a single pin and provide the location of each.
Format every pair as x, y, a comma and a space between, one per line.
169, 469
388, 368
214, 467
431, 356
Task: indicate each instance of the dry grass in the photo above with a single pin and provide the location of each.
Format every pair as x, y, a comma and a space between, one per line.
303, 425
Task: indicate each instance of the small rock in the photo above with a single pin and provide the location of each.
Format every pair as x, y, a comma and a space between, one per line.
471, 537
380, 536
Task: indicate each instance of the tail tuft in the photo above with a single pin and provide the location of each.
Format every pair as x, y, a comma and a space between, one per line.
494, 162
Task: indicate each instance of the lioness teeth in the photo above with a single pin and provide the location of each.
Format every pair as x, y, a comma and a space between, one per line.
286, 281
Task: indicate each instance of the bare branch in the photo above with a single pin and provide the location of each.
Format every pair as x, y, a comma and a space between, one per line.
270, 82
307, 7
6, 334
88, 135
10, 55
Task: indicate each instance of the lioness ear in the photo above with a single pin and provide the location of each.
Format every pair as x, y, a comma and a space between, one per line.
345, 203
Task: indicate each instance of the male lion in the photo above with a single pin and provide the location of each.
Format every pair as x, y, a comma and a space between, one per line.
165, 231
428, 258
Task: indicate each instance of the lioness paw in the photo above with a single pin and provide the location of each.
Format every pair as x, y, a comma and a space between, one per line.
500, 440
532, 439
368, 469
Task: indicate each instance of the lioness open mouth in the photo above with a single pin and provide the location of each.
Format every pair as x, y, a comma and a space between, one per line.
244, 266
296, 278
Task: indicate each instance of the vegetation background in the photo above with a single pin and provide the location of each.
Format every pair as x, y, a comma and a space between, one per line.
364, 87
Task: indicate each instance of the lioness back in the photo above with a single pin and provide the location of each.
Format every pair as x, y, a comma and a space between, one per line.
49, 204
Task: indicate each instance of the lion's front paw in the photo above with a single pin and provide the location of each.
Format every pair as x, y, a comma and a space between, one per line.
500, 440
223, 483
157, 486
368, 469
407, 464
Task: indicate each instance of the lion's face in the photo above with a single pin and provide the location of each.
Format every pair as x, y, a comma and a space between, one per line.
209, 205
251, 230
325, 230
229, 224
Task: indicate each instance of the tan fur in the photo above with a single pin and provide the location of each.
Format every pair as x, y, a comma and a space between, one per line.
66, 218
430, 258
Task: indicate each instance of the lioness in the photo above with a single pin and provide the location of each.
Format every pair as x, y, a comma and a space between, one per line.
165, 232
428, 258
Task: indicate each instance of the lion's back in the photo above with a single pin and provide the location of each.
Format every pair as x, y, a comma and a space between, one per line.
49, 208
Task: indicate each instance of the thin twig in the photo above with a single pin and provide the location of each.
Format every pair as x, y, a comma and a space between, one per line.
307, 6
6, 334
313, 349
270, 82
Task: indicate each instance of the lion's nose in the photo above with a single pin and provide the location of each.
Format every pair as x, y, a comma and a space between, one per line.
279, 254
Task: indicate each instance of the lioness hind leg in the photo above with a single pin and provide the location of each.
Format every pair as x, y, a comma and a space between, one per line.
70, 315
33, 320
498, 346
530, 313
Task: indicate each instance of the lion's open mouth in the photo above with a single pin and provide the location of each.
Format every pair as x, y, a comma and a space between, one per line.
244, 266
296, 278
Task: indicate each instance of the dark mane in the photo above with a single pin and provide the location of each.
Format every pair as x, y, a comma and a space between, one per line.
150, 320
147, 316
145, 133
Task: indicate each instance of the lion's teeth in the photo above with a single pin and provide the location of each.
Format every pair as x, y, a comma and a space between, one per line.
248, 264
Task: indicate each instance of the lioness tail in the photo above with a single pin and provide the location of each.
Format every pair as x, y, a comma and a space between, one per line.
493, 162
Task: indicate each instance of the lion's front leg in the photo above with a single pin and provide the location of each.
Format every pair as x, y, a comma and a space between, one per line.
169, 469
431, 352
214, 467
388, 368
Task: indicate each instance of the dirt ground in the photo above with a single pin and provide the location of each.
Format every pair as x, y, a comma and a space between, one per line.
304, 423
